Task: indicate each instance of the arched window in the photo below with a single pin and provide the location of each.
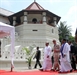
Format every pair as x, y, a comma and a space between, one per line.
34, 20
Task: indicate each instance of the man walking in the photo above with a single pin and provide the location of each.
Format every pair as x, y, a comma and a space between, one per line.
65, 64
72, 55
47, 58
56, 53
37, 56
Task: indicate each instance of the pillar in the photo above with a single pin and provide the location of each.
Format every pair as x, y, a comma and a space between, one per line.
25, 17
44, 17
55, 22
14, 21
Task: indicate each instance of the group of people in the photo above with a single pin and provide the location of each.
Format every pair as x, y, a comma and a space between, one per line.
59, 58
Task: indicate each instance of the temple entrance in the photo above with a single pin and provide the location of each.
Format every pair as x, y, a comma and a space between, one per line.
34, 20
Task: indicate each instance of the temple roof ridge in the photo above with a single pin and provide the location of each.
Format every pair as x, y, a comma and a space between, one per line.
35, 6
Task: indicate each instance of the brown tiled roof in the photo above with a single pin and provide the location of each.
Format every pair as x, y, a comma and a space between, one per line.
34, 6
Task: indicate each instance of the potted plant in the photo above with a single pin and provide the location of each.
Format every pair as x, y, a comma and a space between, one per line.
29, 55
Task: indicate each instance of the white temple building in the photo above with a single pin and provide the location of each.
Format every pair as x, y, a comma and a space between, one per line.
34, 25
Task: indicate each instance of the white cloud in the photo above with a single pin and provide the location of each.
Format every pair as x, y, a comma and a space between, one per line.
72, 11
5, 3
73, 1
71, 18
71, 14
74, 26
52, 1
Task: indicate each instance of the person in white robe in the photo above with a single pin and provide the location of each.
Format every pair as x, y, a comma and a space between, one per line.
65, 64
47, 64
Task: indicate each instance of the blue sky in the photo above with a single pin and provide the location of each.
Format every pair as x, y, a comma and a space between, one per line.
66, 9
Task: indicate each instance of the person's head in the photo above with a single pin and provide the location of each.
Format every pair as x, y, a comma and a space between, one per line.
54, 41
64, 40
37, 48
47, 43
69, 42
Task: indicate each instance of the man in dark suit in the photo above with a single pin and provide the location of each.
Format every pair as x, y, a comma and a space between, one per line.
76, 52
37, 56
72, 55
76, 44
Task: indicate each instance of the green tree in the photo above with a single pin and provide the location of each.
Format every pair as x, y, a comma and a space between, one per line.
72, 39
64, 30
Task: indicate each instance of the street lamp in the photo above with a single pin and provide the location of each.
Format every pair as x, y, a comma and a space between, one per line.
66, 37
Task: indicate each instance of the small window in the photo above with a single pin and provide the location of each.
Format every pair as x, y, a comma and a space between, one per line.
34, 30
52, 31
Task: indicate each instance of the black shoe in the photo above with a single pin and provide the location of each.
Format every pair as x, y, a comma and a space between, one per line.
71, 70
41, 69
52, 70
34, 67
40, 66
59, 72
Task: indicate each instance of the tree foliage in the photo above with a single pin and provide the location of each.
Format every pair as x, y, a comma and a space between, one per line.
76, 36
64, 30
72, 39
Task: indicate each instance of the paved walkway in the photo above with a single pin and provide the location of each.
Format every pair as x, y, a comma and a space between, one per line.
26, 69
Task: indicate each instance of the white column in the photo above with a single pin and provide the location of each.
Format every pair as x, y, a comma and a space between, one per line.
25, 17
55, 23
14, 21
44, 17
